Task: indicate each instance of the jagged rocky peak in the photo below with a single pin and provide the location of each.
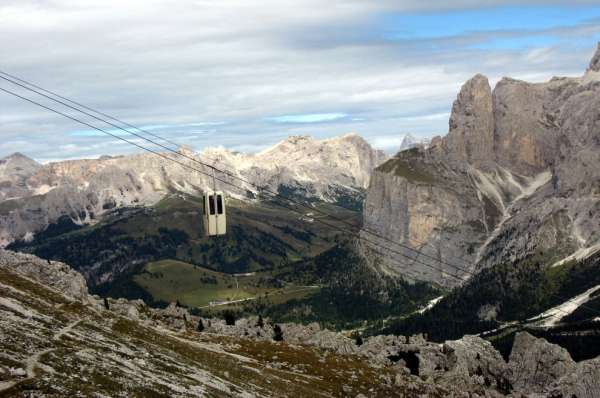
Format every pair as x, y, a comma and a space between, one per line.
595, 62
14, 172
186, 150
526, 123
410, 141
17, 159
471, 128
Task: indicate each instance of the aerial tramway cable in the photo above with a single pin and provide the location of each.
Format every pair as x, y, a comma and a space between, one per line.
162, 155
224, 181
232, 175
175, 144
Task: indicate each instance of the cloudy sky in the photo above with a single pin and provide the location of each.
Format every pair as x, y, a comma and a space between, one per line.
246, 74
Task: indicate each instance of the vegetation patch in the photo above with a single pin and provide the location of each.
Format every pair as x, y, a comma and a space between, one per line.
517, 291
409, 168
195, 286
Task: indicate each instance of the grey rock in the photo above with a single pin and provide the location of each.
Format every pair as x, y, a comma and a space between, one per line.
409, 142
516, 175
583, 382
471, 133
536, 364
15, 170
17, 372
53, 274
595, 62
474, 358
128, 308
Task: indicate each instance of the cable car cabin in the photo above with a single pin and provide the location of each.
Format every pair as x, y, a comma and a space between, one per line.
215, 217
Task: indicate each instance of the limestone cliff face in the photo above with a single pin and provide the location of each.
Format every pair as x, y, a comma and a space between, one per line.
416, 201
517, 174
471, 137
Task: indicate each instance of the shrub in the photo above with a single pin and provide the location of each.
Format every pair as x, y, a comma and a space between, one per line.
277, 333
229, 318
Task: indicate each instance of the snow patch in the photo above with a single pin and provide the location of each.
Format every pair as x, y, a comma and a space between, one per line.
42, 189
580, 254
489, 186
553, 316
430, 304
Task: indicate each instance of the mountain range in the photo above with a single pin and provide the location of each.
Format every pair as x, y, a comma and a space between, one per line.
493, 229
34, 195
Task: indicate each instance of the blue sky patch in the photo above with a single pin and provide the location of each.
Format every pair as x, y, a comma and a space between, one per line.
309, 118
511, 27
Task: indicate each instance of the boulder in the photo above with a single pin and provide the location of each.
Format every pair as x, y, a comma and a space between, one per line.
476, 359
130, 309
583, 382
535, 363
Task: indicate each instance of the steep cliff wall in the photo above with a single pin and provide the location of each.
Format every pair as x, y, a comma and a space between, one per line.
517, 174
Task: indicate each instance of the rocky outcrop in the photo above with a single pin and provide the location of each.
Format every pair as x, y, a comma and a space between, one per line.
516, 175
405, 205
409, 141
471, 134
53, 274
474, 358
469, 366
595, 62
15, 170
535, 363
580, 383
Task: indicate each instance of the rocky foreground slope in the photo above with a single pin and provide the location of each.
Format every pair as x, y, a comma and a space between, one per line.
57, 340
33, 195
517, 175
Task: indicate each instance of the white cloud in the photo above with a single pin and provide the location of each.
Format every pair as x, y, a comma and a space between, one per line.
223, 71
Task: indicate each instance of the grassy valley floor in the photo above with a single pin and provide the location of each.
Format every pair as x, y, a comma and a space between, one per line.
195, 286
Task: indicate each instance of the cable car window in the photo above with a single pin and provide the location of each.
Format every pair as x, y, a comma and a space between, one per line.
211, 204
219, 204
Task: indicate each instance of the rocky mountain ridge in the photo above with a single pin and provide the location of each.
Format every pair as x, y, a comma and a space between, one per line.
409, 141
516, 175
33, 195
57, 339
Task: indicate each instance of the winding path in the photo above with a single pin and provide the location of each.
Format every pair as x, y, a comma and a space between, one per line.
33, 361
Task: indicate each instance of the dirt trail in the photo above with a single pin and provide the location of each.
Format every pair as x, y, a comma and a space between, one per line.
33, 361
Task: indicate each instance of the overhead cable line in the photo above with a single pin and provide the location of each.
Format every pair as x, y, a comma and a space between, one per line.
175, 144
260, 188
162, 155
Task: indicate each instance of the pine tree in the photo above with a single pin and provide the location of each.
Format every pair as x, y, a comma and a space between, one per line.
200, 326
260, 323
106, 305
277, 333
229, 318
358, 339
